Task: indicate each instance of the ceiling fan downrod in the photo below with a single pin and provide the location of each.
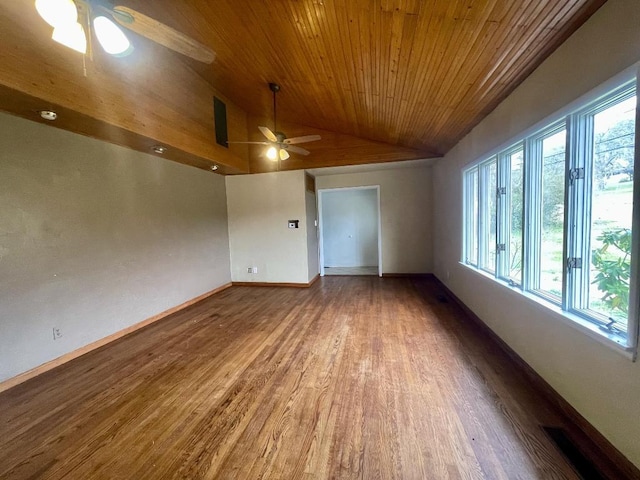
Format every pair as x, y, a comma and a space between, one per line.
275, 88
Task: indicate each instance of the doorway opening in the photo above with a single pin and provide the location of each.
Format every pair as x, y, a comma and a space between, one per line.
349, 230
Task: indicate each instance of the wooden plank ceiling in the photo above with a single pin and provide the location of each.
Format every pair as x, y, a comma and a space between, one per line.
380, 80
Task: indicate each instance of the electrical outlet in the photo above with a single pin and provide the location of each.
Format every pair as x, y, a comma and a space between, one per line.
56, 333
252, 269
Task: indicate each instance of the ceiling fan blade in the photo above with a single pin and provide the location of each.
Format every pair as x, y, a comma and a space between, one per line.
162, 34
304, 139
254, 143
298, 150
283, 154
269, 134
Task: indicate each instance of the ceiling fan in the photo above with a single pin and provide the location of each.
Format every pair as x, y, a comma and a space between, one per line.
73, 20
279, 144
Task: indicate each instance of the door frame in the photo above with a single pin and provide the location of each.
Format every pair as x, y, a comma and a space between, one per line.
379, 219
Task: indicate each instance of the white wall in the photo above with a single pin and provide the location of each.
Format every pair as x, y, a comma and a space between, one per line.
95, 238
599, 382
350, 227
405, 210
259, 207
313, 258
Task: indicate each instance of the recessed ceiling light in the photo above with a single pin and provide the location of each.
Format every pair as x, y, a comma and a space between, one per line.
159, 149
213, 168
48, 115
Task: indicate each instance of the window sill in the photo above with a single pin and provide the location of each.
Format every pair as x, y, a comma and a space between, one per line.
574, 321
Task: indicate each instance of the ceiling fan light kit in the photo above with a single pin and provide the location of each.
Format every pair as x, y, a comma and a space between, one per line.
62, 15
71, 36
272, 153
279, 144
57, 13
111, 37
72, 19
69, 27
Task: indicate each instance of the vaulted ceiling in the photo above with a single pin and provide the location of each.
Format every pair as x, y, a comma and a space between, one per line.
380, 80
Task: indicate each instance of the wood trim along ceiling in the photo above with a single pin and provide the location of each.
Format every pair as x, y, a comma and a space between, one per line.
383, 81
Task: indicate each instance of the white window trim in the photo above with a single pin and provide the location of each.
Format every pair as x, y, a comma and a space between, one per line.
565, 312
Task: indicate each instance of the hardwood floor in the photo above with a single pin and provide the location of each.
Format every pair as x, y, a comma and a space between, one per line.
355, 377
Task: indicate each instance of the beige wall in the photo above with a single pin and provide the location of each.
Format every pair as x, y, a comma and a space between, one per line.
599, 382
405, 210
95, 238
259, 207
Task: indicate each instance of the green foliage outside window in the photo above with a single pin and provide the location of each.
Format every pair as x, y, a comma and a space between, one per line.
612, 260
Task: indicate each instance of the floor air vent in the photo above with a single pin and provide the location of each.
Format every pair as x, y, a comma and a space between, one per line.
583, 466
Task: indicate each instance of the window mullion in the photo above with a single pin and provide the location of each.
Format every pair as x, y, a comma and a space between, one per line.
577, 220
502, 219
532, 235
466, 215
570, 215
482, 217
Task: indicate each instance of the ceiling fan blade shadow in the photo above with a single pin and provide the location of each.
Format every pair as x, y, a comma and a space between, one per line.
284, 154
298, 150
303, 139
268, 133
162, 34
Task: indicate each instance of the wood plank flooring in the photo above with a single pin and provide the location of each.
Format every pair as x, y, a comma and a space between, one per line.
355, 377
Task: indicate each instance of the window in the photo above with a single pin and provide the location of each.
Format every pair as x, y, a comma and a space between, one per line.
510, 198
602, 198
487, 185
546, 167
552, 174
578, 171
